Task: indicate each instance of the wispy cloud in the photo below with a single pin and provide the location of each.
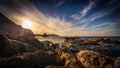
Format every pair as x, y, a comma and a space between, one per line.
45, 23
102, 13
41, 22
87, 8
60, 2
84, 11
111, 2
96, 27
80, 20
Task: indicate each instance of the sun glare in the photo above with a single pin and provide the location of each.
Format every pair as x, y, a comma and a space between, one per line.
27, 24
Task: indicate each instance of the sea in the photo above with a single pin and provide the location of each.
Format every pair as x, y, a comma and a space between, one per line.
58, 39
89, 37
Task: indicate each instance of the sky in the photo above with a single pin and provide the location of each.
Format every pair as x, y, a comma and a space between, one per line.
66, 17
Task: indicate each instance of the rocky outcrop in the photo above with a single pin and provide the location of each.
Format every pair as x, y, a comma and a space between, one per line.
92, 41
92, 59
117, 62
13, 30
9, 47
5, 47
25, 34
36, 59
16, 32
68, 59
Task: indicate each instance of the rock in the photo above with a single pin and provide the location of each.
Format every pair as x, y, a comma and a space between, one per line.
117, 62
56, 67
21, 47
9, 47
14, 31
25, 34
36, 59
68, 59
73, 47
91, 59
7, 26
5, 47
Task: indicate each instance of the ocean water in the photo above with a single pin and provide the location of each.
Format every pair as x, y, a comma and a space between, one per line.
111, 37
57, 39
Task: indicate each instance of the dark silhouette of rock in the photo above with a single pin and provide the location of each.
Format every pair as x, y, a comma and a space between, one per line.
16, 32
13, 30
5, 47
25, 34
45, 35
9, 47
36, 59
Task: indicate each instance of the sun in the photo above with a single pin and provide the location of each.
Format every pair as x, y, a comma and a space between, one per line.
27, 24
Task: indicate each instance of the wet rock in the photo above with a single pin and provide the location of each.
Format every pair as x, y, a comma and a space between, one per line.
91, 59
68, 59
117, 62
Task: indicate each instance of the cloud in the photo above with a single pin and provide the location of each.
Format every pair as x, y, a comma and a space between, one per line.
80, 20
84, 11
41, 22
100, 26
60, 2
98, 15
87, 8
45, 23
102, 13
111, 2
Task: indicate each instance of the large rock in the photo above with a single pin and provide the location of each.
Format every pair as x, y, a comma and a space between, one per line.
13, 30
16, 32
5, 47
36, 59
68, 59
91, 59
117, 63
25, 34
9, 47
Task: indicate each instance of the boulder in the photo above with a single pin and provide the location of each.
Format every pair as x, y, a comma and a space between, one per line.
25, 34
91, 59
117, 62
68, 59
5, 47
36, 59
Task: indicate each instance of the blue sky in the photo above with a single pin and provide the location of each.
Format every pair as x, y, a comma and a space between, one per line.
66, 17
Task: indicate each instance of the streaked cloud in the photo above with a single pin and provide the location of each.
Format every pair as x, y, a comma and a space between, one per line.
54, 24
59, 2
98, 26
80, 20
111, 2
84, 11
